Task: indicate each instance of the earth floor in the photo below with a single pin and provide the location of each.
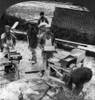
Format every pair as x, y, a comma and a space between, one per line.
26, 65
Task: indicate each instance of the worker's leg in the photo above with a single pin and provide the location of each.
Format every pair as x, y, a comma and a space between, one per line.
44, 64
6, 50
78, 89
34, 55
45, 61
34, 58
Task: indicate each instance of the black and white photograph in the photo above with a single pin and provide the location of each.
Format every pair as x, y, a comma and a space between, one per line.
47, 50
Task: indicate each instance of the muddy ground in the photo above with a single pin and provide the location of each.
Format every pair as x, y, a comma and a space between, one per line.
26, 65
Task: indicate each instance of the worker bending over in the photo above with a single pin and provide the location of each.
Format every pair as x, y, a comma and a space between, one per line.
8, 40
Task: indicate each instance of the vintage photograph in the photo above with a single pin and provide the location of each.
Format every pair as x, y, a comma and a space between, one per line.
47, 50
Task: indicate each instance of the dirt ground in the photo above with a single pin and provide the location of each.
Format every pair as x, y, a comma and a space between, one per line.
26, 65
89, 62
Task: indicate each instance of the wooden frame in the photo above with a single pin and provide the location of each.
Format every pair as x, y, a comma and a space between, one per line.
56, 68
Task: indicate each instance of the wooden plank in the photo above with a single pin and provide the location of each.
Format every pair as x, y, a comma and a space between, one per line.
15, 25
82, 46
61, 40
4, 63
33, 71
59, 67
50, 84
57, 80
87, 48
56, 71
45, 93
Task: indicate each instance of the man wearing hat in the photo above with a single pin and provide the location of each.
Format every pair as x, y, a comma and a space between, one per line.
48, 46
42, 31
8, 39
47, 37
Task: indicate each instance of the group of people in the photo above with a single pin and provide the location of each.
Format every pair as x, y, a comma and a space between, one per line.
42, 38
45, 39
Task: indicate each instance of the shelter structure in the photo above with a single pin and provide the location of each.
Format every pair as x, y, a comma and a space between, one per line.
74, 25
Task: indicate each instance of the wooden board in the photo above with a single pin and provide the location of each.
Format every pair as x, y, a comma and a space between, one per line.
56, 80
59, 67
82, 46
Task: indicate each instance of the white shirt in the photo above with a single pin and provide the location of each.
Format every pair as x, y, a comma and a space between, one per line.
48, 42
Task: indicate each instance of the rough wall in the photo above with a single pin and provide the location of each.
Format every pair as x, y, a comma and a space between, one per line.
90, 4
74, 24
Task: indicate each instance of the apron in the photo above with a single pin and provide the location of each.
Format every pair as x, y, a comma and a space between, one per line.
48, 42
9, 42
48, 45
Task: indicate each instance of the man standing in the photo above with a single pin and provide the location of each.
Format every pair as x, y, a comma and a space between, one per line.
41, 32
32, 39
42, 19
48, 47
8, 40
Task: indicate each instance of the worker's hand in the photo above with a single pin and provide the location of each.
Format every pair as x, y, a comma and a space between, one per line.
11, 47
38, 36
5, 45
39, 45
55, 45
